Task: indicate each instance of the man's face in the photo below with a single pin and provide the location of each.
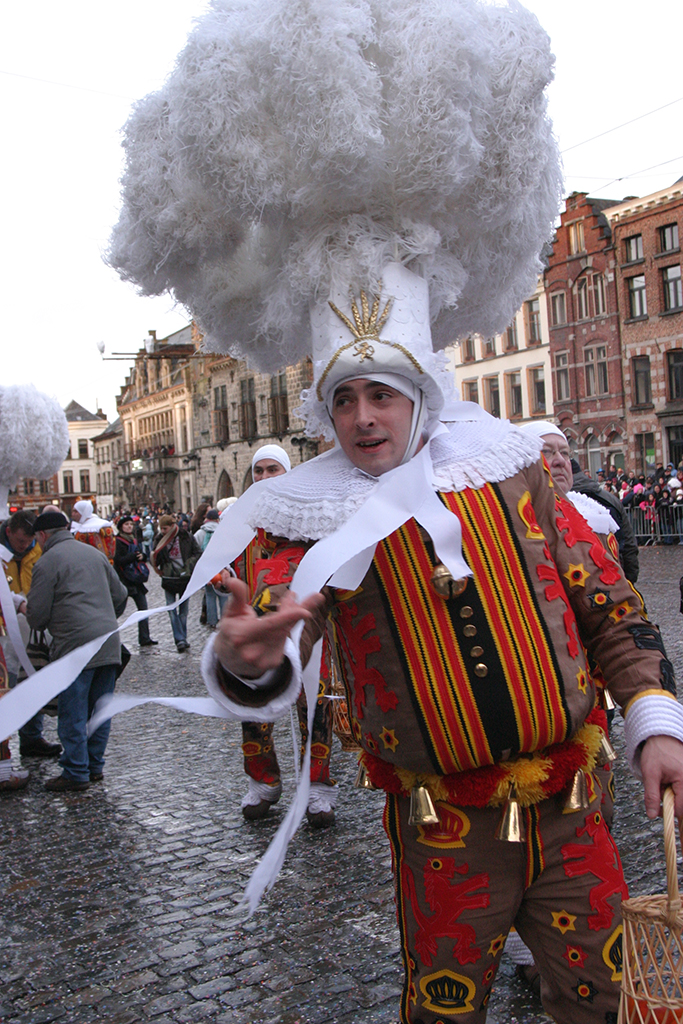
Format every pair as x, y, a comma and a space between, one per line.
267, 468
372, 423
558, 457
75, 515
19, 541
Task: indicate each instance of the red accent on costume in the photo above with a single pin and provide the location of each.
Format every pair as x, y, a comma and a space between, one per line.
578, 530
600, 859
552, 592
278, 567
447, 902
356, 646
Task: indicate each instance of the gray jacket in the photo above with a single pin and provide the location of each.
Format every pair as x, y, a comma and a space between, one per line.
77, 595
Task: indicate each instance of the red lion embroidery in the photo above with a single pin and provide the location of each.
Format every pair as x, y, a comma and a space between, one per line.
357, 645
601, 860
556, 590
578, 530
447, 901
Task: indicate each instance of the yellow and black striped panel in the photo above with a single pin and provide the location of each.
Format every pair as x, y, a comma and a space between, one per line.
467, 720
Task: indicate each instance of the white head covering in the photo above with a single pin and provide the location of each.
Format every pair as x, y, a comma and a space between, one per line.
274, 452
539, 428
84, 509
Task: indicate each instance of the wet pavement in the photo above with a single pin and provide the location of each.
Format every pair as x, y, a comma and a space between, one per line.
120, 904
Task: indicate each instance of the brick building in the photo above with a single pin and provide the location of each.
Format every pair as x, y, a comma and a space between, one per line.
646, 238
585, 351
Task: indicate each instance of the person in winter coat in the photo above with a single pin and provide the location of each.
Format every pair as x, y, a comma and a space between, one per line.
628, 546
215, 602
173, 558
130, 562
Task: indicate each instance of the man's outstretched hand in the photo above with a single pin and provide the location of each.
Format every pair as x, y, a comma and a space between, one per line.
248, 644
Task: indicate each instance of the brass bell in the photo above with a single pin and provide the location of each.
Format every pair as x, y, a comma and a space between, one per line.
578, 799
3, 631
606, 752
511, 825
445, 585
608, 700
362, 778
422, 810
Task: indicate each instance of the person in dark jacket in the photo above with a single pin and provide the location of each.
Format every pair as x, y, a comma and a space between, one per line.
173, 558
628, 546
130, 563
76, 594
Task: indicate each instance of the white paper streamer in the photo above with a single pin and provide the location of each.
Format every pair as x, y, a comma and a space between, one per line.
10, 615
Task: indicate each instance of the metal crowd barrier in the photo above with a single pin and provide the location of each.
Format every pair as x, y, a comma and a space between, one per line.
656, 526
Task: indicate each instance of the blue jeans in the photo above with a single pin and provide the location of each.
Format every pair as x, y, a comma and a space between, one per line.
84, 755
178, 618
33, 729
215, 603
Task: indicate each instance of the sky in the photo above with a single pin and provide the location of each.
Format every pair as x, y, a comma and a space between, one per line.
69, 73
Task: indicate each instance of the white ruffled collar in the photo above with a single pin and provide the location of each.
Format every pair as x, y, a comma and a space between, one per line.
316, 498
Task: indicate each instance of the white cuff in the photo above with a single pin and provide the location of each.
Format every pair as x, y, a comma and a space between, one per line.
267, 713
650, 715
322, 797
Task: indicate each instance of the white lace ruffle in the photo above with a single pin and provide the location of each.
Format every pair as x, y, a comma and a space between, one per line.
318, 497
596, 515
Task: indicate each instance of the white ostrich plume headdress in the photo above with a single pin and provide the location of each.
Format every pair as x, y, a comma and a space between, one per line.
34, 437
301, 146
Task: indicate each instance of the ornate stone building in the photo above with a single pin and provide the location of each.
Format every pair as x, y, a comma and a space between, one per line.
108, 454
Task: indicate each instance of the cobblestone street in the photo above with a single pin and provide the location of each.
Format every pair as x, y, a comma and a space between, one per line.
119, 904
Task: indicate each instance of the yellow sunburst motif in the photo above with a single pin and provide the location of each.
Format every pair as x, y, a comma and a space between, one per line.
620, 610
388, 738
496, 945
563, 921
577, 575
582, 680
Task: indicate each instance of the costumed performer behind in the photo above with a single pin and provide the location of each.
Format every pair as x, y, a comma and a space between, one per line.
399, 183
91, 529
257, 570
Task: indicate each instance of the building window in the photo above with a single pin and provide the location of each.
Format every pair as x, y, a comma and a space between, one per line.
558, 308
673, 293
511, 340
562, 376
637, 297
675, 361
221, 432
83, 449
675, 437
85, 481
468, 353
642, 386
470, 391
247, 409
645, 454
45, 487
513, 387
576, 239
278, 406
633, 248
68, 483
582, 312
596, 371
492, 393
599, 302
489, 347
668, 238
533, 321
537, 391
220, 397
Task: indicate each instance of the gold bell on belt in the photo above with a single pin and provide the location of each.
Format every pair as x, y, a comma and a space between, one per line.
511, 825
578, 799
362, 778
422, 810
445, 585
606, 752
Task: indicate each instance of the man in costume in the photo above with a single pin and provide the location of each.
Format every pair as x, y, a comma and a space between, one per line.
260, 759
400, 181
92, 529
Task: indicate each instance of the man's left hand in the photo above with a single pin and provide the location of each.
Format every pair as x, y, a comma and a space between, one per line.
661, 763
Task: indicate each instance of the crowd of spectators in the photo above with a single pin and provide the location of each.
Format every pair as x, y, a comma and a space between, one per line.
653, 502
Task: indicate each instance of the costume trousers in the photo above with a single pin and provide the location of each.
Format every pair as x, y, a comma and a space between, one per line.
83, 755
459, 890
260, 758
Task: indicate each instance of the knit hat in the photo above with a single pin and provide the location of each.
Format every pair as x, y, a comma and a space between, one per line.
539, 428
212, 515
274, 452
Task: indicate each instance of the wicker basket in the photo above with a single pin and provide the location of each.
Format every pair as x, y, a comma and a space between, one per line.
652, 982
